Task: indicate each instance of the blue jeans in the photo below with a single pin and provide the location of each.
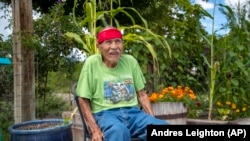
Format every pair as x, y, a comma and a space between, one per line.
123, 123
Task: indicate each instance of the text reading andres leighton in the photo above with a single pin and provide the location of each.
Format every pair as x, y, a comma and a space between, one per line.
188, 132
197, 132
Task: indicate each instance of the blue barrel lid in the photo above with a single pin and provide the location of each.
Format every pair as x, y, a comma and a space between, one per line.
4, 61
13, 129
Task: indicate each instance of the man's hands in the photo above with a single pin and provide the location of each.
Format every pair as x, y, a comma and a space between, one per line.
97, 135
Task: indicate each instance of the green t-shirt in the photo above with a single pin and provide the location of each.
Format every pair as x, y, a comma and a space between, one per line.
109, 88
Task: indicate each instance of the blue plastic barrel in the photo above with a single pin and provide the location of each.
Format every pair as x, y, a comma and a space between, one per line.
57, 133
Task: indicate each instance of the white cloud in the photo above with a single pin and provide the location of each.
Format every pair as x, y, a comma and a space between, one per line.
234, 3
205, 5
77, 55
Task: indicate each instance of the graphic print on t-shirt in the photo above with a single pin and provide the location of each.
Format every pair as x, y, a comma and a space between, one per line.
119, 91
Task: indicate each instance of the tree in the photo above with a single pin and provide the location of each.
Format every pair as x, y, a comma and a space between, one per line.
179, 22
23, 60
52, 48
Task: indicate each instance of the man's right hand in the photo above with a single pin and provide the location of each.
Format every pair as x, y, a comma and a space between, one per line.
97, 135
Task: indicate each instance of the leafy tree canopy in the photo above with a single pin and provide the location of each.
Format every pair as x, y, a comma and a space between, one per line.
45, 6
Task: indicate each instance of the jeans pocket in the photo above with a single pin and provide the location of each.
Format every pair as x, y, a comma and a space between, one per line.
98, 117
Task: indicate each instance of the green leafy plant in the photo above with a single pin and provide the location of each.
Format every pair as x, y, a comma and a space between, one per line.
52, 106
6, 119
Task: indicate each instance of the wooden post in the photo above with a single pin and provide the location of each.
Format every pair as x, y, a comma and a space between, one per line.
23, 62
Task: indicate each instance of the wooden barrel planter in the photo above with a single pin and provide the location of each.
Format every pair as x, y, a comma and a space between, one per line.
173, 112
41, 130
241, 121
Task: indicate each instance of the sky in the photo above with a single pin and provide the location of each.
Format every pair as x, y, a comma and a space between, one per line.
219, 18
207, 23
4, 22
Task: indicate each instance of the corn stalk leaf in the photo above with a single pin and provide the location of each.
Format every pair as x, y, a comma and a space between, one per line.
78, 39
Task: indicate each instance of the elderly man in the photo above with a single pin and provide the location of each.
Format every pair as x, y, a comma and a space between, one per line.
110, 86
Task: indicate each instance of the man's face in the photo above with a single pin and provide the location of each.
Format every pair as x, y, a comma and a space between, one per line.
111, 50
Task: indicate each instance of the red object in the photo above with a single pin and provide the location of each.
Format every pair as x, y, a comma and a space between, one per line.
108, 33
198, 104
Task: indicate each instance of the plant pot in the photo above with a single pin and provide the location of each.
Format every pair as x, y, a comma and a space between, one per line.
172, 112
241, 121
206, 122
55, 130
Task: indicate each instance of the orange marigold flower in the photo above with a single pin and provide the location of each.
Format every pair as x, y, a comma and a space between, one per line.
173, 94
165, 90
234, 106
192, 96
228, 103
244, 109
179, 97
218, 103
161, 96
178, 92
153, 97
191, 91
162, 93
171, 88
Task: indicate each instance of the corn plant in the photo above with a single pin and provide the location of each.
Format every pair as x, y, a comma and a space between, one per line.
212, 65
135, 33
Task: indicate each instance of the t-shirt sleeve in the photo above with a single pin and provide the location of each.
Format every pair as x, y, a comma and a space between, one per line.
138, 76
84, 82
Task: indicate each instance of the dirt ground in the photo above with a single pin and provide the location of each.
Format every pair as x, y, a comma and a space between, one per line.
65, 96
39, 126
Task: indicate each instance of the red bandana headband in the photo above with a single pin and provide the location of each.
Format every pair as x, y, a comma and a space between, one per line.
108, 33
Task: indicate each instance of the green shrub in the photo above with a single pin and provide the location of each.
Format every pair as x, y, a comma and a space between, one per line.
52, 106
6, 119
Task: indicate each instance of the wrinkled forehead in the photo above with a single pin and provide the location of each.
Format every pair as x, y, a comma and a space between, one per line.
109, 33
